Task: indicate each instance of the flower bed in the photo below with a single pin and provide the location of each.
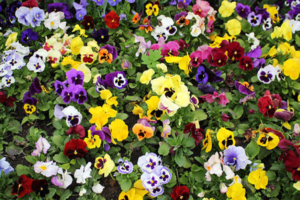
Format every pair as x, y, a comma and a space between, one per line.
132, 100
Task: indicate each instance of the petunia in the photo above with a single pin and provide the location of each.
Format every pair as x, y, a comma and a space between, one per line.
75, 149
47, 169
42, 145
83, 173
104, 164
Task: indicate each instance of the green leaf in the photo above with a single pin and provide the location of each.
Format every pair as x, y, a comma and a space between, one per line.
51, 193
92, 91
61, 158
66, 194
121, 116
246, 27
271, 175
187, 163
31, 159
263, 153
295, 84
252, 149
33, 117
179, 159
133, 98
189, 142
43, 107
65, 166
238, 110
171, 141
13, 149
126, 185
199, 115
297, 40
22, 169
164, 149
25, 119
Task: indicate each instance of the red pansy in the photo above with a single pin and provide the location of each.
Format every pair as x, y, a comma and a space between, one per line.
112, 20
180, 193
30, 3
78, 129
235, 51
195, 132
75, 149
246, 63
88, 22
22, 186
7, 101
266, 106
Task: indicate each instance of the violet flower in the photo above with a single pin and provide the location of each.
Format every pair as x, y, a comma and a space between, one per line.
99, 2
259, 63
205, 75
101, 35
59, 87
242, 10
164, 174
125, 167
68, 93
236, 156
244, 88
150, 180
60, 7
206, 89
254, 19
75, 77
35, 16
154, 192
104, 134
80, 96
100, 85
284, 115
112, 50
263, 12
5, 166
173, 3
35, 87
28, 35
187, 2
113, 2
255, 53
13, 7
21, 14
116, 80
267, 74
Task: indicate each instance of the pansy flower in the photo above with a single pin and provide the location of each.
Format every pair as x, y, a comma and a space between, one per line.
112, 20
181, 20
99, 2
75, 149
125, 167
53, 21
148, 162
153, 8
217, 58
36, 65
63, 179
88, 56
29, 35
80, 96
143, 129
59, 87
258, 178
47, 169
201, 8
166, 131
167, 24
29, 105
242, 10
152, 105
119, 130
92, 141
68, 94
244, 88
270, 140
6, 101
60, 7
225, 138
267, 24
164, 174
146, 25
75, 77
267, 74
180, 192
195, 130
107, 53
22, 186
235, 51
246, 63
104, 164
207, 142
143, 46
101, 35
236, 156
136, 18
116, 80
88, 22
170, 49
42, 145
150, 180
196, 58
205, 75
132, 194
254, 19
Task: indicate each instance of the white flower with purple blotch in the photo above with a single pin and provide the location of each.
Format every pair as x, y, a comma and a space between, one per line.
168, 24
8, 80
125, 167
5, 70
42, 145
21, 14
164, 174
63, 180
236, 156
41, 54
150, 180
47, 169
148, 162
254, 19
267, 74
15, 60
267, 24
36, 64
73, 116
154, 192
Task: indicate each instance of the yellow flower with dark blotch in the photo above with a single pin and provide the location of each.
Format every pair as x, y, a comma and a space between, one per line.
107, 96
88, 56
138, 110
273, 13
92, 141
119, 130
234, 27
207, 142
29, 109
76, 45
152, 8
100, 117
227, 8
130, 195
236, 192
268, 140
153, 110
69, 61
225, 138
258, 178
104, 164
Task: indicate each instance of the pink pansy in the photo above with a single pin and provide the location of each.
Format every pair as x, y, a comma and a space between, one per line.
42, 145
208, 97
143, 44
221, 98
206, 51
47, 169
196, 58
170, 49
201, 8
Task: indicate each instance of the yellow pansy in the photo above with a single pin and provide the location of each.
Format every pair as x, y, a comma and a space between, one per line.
258, 178
88, 56
162, 66
29, 109
294, 53
285, 31
147, 76
234, 27
130, 195
225, 138
207, 142
157, 85
69, 61
109, 111
92, 141
284, 48
183, 62
107, 96
291, 68
227, 8
81, 30
76, 45
236, 192
104, 164
272, 52
118, 129
11, 39
297, 185
138, 110
273, 13
268, 140
86, 71
153, 110
139, 188
100, 117
93, 44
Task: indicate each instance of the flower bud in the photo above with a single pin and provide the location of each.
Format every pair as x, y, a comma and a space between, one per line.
201, 194
223, 188
126, 64
225, 117
251, 111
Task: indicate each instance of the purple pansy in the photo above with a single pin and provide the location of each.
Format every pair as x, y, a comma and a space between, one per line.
112, 50
35, 87
101, 35
68, 93
255, 53
173, 3
36, 16
186, 2
130, 1
236, 156
259, 63
75, 77
263, 12
104, 134
62, 7
5, 166
21, 14
113, 2
242, 88
125, 168
207, 89
205, 75
80, 96
254, 19
242, 10
13, 6
28, 35
116, 80
100, 84
99, 2
59, 87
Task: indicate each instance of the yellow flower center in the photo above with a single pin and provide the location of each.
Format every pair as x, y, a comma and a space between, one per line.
270, 107
88, 24
75, 152
37, 15
43, 167
79, 15
246, 65
199, 10
235, 52
113, 20
19, 185
266, 75
52, 23
234, 158
208, 168
41, 189
181, 197
102, 36
152, 181
298, 169
219, 61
